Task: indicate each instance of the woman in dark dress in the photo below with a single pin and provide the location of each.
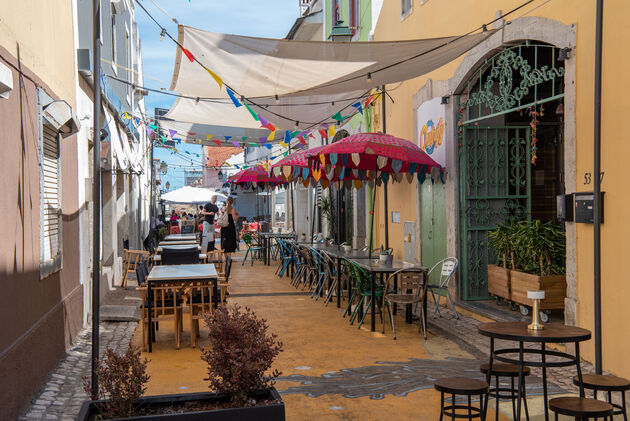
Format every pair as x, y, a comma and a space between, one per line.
228, 234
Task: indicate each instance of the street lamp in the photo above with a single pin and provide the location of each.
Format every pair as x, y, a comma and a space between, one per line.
220, 175
340, 33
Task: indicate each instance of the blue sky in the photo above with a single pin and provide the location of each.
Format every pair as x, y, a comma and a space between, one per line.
258, 18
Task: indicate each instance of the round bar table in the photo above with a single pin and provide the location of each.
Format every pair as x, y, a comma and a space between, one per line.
552, 333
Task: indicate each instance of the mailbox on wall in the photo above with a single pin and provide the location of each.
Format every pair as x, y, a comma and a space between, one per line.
583, 207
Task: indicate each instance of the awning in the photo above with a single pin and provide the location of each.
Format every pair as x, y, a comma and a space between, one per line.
60, 115
332, 74
192, 195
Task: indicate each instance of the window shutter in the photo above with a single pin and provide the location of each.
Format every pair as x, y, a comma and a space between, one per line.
50, 185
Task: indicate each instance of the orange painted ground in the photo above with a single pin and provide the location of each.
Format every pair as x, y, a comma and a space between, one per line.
375, 377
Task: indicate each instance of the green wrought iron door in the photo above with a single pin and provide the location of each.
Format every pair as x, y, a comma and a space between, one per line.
494, 188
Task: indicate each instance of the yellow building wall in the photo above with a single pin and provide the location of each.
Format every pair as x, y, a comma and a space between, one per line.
43, 31
443, 18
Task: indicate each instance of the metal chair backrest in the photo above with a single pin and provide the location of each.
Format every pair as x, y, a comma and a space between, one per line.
319, 260
447, 267
410, 281
284, 249
187, 256
358, 276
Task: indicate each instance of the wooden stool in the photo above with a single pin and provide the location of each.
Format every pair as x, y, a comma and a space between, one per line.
608, 384
511, 371
466, 387
580, 408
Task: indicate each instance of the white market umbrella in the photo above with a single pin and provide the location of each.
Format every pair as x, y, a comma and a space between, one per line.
192, 195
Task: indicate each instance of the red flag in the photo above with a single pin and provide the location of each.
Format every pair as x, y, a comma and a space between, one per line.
191, 133
369, 100
217, 141
324, 133
270, 127
188, 54
302, 140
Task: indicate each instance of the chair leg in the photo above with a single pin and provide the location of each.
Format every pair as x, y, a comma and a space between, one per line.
193, 336
245, 258
391, 318
437, 303
450, 299
349, 306
369, 303
355, 313
423, 324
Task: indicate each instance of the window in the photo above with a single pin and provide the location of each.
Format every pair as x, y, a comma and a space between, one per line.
407, 6
50, 195
129, 64
336, 12
114, 47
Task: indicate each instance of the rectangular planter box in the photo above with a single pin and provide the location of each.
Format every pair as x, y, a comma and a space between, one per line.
555, 287
274, 412
499, 283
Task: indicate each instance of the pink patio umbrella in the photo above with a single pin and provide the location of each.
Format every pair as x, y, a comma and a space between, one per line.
256, 176
367, 154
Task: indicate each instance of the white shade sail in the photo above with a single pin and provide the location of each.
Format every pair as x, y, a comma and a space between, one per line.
192, 195
331, 74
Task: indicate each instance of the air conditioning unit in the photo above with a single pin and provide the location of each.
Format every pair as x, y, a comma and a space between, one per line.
6, 81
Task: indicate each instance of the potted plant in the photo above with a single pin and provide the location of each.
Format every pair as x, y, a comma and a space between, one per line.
239, 357
501, 240
347, 246
540, 250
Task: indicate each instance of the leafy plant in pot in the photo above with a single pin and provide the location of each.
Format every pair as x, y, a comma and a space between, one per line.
541, 254
239, 356
502, 241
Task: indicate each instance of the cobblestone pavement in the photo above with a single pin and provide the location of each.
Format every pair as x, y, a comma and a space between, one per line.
62, 393
465, 330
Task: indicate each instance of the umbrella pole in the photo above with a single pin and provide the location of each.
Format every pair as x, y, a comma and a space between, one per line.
372, 219
385, 184
313, 220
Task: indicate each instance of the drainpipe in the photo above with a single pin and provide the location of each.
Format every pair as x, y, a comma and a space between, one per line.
597, 189
96, 193
385, 183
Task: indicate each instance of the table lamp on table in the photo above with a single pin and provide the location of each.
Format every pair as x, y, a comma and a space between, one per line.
536, 296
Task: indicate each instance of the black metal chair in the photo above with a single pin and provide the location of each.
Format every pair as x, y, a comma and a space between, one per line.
187, 256
609, 384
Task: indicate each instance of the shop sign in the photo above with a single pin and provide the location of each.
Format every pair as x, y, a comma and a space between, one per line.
430, 117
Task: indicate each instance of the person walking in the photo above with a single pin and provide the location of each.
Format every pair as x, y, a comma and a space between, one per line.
228, 233
209, 212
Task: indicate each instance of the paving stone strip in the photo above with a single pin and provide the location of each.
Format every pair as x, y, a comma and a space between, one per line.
62, 393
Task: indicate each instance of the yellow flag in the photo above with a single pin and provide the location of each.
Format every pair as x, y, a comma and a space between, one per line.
284, 144
208, 136
215, 77
175, 149
331, 131
227, 163
271, 135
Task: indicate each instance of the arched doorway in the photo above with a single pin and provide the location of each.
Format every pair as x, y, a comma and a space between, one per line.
510, 150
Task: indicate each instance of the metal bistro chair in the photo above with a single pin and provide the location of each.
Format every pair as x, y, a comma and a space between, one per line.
305, 267
332, 274
362, 289
254, 249
447, 266
285, 261
411, 290
321, 272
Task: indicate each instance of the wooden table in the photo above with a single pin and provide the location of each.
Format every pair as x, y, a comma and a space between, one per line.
552, 333
179, 237
180, 273
376, 267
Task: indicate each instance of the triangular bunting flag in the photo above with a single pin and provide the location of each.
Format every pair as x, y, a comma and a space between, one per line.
254, 115
227, 138
172, 132
188, 54
337, 117
357, 105
236, 144
331, 131
215, 77
217, 142
323, 133
272, 135
233, 98
263, 121
208, 136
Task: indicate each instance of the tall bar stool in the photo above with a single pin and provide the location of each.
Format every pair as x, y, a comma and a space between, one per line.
506, 370
581, 408
461, 386
607, 383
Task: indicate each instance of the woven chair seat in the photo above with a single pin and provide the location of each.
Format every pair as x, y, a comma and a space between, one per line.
403, 298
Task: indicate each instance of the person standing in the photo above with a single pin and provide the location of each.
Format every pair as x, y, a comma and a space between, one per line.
209, 211
228, 233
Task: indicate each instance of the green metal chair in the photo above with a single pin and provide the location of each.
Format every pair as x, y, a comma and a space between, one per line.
361, 287
252, 247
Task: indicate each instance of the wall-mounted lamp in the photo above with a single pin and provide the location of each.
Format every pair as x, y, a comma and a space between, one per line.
563, 54
444, 100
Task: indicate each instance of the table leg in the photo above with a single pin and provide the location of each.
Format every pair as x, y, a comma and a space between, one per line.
373, 304
520, 380
543, 358
292, 260
339, 283
579, 368
395, 306
424, 301
488, 374
149, 311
